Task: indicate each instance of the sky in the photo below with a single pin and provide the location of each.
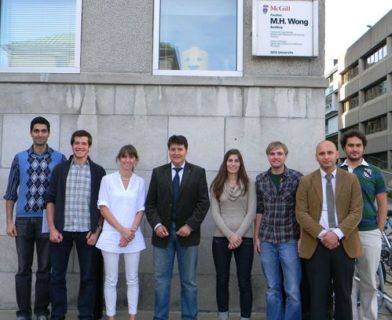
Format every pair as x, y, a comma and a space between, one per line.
347, 20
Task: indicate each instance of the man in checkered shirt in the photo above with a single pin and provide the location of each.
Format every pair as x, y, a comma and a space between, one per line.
73, 217
276, 234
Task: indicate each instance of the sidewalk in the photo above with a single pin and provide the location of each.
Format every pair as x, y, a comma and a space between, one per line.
148, 315
142, 315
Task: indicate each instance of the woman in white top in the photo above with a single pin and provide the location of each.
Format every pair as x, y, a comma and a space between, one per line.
233, 208
121, 201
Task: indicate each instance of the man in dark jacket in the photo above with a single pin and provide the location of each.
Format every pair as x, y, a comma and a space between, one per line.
176, 204
73, 217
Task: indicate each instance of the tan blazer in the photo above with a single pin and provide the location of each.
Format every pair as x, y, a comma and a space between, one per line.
309, 201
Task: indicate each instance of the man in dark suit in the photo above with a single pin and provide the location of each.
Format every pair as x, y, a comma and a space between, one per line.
328, 210
176, 204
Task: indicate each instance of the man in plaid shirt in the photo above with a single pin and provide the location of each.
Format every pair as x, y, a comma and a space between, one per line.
276, 234
73, 217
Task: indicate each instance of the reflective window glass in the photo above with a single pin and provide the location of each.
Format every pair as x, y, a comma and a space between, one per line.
198, 35
40, 35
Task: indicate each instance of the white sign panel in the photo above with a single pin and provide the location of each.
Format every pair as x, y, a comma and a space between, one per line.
285, 28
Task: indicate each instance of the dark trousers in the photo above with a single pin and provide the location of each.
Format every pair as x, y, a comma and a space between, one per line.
243, 256
326, 265
30, 236
98, 308
305, 297
87, 255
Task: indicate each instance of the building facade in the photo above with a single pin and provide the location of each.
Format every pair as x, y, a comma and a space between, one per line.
139, 71
365, 92
332, 104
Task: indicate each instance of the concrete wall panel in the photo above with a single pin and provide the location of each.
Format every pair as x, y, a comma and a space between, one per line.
125, 100
350, 118
16, 127
7, 294
374, 108
191, 101
252, 136
377, 142
40, 98
275, 102
147, 134
315, 103
3, 216
10, 264
123, 25
205, 137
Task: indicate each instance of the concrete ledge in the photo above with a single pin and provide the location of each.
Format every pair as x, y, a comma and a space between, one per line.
148, 79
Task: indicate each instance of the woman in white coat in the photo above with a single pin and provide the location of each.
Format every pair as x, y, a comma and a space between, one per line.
121, 201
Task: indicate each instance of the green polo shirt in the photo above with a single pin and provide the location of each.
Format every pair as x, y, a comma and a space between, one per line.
372, 183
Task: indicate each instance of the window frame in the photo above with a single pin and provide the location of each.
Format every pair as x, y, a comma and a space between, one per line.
74, 69
199, 73
375, 90
376, 56
377, 124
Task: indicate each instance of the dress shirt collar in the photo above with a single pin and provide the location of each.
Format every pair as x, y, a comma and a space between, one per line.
173, 166
285, 172
48, 150
73, 163
363, 163
323, 173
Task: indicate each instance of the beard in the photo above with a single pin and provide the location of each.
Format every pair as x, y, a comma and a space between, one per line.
354, 157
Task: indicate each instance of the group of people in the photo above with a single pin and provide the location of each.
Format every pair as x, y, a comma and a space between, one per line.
309, 231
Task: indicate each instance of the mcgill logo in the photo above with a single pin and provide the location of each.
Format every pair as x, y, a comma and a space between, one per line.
280, 8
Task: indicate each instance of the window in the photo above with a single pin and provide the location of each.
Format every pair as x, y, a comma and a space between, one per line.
376, 125
328, 103
330, 80
376, 90
354, 127
376, 56
350, 103
379, 159
331, 125
40, 35
350, 73
198, 38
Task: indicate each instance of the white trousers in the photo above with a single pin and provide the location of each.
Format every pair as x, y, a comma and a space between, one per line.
111, 261
366, 268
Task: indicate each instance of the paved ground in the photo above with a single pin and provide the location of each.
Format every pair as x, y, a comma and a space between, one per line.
384, 314
147, 315
142, 315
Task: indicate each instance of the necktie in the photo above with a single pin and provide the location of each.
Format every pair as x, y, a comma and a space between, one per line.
176, 191
330, 202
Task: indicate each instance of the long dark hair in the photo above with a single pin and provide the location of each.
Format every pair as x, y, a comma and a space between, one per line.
219, 181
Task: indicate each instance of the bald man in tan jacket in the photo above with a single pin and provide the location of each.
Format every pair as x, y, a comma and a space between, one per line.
329, 250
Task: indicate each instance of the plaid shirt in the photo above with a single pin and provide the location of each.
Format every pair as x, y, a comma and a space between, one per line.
77, 198
278, 223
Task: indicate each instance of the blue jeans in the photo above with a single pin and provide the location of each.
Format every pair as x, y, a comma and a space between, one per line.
163, 271
244, 259
29, 235
281, 261
87, 255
